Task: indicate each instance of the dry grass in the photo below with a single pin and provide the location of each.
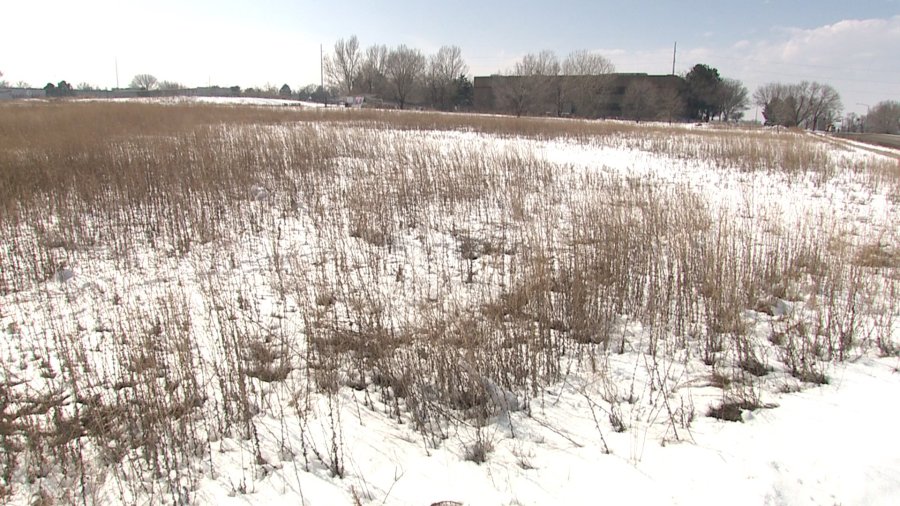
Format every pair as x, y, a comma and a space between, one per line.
237, 265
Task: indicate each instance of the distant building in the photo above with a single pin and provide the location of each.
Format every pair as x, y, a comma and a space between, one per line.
21, 93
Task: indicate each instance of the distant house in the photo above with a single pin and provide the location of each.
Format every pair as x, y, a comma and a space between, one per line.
600, 96
117, 93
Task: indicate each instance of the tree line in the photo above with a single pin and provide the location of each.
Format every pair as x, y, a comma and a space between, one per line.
401, 74
883, 118
583, 84
810, 105
540, 83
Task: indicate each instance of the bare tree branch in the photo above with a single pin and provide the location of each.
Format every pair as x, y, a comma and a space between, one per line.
444, 67
342, 67
586, 81
807, 104
372, 70
404, 69
144, 82
884, 118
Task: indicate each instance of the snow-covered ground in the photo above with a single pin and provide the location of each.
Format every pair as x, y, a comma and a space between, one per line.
258, 101
371, 244
250, 101
834, 444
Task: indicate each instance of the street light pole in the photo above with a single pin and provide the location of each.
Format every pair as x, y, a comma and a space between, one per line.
866, 122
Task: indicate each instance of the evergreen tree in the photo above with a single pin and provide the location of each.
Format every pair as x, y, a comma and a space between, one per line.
704, 92
464, 92
64, 89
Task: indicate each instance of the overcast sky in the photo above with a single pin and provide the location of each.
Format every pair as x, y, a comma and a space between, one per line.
850, 44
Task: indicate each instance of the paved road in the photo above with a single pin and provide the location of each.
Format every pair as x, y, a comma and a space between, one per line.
886, 140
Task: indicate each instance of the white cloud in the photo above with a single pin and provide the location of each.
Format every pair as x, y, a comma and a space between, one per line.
848, 43
857, 57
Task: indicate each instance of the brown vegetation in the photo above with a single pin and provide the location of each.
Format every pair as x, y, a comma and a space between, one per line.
234, 266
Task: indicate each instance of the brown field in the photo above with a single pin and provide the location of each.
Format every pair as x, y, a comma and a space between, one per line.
174, 277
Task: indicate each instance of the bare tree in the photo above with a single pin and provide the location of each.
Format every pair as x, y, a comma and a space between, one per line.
404, 68
342, 67
270, 90
532, 85
768, 92
671, 103
444, 67
513, 93
372, 70
734, 99
544, 63
585, 80
144, 82
170, 85
640, 101
884, 118
772, 97
544, 68
824, 106
807, 104
585, 63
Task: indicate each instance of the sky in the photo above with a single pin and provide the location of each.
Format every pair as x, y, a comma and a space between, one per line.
850, 44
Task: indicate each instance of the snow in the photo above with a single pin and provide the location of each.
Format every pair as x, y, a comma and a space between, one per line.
829, 444
256, 101
834, 444
250, 101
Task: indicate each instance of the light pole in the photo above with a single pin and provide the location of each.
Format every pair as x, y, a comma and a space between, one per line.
866, 121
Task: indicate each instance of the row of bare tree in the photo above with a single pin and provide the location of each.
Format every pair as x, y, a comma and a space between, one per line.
401, 73
883, 118
540, 83
584, 84
150, 82
811, 105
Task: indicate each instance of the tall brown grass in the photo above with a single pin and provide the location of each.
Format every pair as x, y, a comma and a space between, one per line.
238, 265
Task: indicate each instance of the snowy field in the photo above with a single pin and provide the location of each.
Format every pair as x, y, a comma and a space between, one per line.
269, 305
254, 101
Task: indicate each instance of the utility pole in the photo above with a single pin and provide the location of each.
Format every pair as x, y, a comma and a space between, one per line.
674, 52
117, 72
322, 75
